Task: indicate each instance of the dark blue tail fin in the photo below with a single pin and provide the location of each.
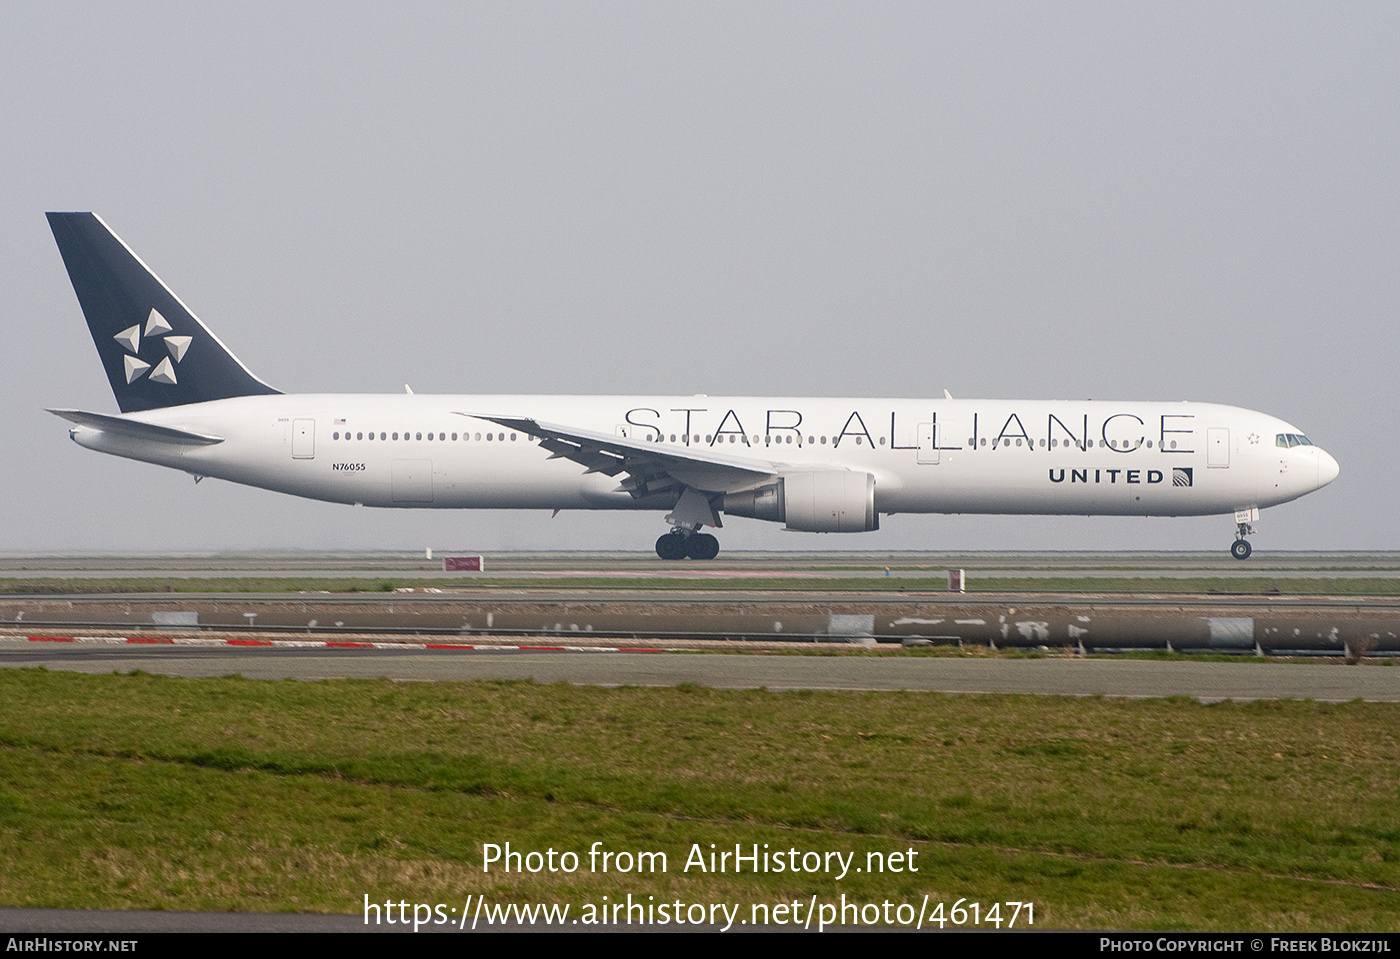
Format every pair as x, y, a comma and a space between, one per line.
155, 351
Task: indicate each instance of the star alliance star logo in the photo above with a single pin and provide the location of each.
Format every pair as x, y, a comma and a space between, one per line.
156, 327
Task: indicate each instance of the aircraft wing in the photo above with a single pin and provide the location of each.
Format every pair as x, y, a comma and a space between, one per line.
650, 467
136, 429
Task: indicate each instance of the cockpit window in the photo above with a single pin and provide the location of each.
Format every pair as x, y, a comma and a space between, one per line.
1291, 439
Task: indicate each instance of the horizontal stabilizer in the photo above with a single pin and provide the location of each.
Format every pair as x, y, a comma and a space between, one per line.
122, 426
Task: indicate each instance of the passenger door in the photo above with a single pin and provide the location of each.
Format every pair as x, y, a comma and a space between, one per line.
1217, 447
303, 439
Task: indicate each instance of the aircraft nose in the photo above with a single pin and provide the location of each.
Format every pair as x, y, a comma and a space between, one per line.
1327, 468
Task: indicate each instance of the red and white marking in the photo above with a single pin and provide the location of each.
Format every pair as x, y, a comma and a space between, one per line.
326, 644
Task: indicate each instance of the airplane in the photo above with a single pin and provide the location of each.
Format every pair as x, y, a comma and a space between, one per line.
825, 465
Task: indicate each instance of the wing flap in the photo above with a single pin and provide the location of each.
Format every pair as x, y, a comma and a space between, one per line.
651, 467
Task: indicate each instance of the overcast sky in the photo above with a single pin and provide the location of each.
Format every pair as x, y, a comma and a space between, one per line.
1069, 200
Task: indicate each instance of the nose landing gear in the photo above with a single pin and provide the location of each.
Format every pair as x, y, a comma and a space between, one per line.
1241, 548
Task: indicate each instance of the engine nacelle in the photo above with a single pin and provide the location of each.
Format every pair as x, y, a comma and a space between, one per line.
830, 501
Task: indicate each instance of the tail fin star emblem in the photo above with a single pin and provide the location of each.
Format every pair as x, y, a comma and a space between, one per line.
163, 373
177, 345
135, 367
157, 327
130, 338
156, 324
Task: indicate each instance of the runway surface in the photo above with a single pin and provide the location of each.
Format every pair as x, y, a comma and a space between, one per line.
759, 566
1126, 678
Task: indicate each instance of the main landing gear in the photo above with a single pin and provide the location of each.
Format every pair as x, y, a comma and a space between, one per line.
681, 543
1241, 548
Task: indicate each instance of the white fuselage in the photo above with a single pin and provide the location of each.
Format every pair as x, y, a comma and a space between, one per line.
927, 456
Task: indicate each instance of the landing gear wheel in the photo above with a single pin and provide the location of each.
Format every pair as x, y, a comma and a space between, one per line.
701, 546
1241, 549
671, 546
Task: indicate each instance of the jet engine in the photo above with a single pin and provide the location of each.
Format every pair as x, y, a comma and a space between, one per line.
829, 501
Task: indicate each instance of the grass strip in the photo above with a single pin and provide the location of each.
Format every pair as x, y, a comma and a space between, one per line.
140, 791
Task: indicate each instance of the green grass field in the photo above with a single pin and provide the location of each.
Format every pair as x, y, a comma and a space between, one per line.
140, 791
